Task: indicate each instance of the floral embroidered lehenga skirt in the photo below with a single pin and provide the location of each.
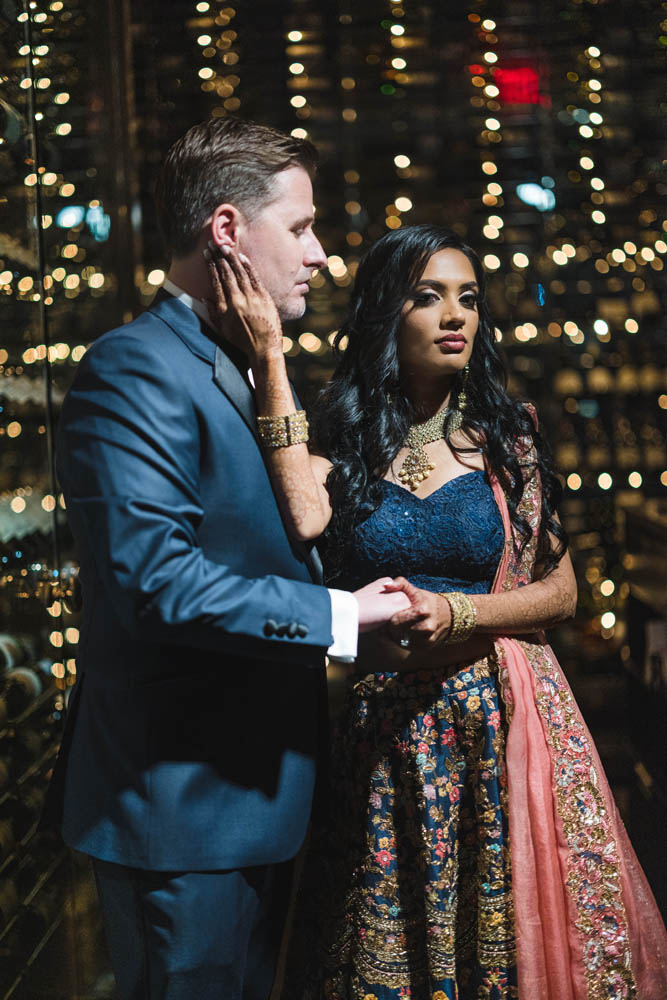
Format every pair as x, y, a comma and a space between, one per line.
406, 890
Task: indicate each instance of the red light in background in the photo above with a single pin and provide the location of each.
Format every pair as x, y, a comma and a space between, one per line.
518, 84
476, 69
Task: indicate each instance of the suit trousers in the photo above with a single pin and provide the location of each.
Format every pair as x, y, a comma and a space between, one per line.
179, 935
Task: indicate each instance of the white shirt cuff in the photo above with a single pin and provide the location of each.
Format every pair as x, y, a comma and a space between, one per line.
344, 626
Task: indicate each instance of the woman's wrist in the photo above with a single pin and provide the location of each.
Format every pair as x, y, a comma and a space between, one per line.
268, 360
283, 431
463, 617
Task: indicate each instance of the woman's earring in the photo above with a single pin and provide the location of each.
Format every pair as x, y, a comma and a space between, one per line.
455, 418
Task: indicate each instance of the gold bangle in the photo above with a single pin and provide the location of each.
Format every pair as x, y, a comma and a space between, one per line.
464, 616
281, 432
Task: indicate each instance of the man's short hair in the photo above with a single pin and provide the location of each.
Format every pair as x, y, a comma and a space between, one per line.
222, 160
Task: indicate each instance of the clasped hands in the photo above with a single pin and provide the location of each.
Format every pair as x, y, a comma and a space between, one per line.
413, 618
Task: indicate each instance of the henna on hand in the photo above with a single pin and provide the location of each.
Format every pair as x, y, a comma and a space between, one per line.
241, 310
536, 606
244, 313
426, 622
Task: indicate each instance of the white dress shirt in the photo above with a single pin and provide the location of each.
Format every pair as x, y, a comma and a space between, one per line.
344, 606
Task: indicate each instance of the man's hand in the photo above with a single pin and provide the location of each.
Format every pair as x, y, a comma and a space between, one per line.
379, 602
242, 310
425, 623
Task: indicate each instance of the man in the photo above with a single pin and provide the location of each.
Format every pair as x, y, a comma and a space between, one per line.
189, 758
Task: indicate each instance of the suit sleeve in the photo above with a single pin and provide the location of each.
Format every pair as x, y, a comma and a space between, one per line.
128, 461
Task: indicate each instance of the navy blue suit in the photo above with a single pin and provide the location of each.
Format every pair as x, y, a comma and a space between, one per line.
192, 738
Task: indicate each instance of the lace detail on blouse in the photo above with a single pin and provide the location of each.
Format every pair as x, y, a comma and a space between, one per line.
451, 540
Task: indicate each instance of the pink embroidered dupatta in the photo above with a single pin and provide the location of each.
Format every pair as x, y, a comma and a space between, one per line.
587, 926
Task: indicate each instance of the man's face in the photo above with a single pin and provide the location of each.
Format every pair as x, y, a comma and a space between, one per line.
281, 244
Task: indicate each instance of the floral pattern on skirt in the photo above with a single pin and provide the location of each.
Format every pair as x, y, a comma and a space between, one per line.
406, 889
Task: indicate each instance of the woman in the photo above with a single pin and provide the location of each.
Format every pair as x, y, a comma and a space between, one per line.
459, 726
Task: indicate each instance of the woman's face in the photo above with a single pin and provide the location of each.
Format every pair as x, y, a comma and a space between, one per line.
440, 318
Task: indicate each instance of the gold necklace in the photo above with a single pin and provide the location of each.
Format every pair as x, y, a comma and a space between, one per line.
417, 465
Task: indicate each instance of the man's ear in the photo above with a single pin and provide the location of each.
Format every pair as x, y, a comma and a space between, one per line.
225, 223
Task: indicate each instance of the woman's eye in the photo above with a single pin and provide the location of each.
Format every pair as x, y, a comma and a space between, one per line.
425, 299
469, 301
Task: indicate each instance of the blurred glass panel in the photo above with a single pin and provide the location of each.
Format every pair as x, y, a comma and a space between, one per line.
67, 273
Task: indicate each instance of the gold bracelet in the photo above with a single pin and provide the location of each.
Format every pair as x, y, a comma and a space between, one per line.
464, 616
281, 432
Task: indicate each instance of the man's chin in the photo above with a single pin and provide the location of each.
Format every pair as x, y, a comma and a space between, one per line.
294, 308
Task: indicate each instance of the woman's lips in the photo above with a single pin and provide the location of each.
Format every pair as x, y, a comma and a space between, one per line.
451, 345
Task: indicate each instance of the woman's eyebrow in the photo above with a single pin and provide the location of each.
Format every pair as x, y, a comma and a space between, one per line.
440, 287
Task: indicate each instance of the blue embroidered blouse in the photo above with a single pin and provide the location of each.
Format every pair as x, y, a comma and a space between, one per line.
451, 540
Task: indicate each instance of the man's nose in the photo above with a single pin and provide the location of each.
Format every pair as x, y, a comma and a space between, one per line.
315, 255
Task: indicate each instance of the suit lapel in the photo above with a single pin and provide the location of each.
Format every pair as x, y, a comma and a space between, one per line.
227, 363
229, 380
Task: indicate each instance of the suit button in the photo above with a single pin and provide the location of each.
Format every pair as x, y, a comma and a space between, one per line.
293, 629
271, 627
302, 631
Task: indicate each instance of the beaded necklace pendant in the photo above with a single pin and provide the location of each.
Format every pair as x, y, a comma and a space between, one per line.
417, 465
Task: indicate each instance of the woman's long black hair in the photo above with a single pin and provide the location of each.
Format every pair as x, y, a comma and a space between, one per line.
363, 416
